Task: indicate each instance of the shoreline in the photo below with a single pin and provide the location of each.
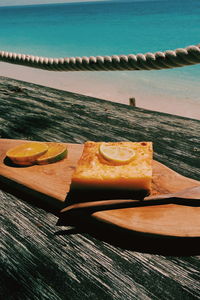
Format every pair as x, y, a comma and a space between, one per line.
177, 98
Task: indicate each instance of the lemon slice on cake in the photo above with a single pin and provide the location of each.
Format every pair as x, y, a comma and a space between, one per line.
116, 153
26, 154
55, 152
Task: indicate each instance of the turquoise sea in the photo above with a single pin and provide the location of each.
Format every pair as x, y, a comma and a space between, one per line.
104, 28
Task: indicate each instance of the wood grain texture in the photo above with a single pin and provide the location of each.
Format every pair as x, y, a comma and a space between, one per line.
54, 180
42, 260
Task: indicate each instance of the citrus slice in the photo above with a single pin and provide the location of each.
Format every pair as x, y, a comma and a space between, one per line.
117, 154
55, 153
27, 153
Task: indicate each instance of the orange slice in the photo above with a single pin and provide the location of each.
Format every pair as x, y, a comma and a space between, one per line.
27, 153
117, 154
55, 153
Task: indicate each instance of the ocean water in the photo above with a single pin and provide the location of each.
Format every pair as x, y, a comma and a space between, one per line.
105, 28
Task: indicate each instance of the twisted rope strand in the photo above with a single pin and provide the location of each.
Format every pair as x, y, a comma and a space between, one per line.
149, 61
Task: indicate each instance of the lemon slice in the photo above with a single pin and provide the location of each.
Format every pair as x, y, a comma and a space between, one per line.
26, 154
55, 153
116, 153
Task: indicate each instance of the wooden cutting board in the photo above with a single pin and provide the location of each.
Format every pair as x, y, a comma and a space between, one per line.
53, 181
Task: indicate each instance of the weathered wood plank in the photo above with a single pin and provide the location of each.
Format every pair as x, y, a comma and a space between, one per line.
41, 260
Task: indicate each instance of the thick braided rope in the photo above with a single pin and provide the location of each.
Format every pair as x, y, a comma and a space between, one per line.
149, 61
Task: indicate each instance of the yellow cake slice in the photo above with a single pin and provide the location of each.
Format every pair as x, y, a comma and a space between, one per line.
115, 165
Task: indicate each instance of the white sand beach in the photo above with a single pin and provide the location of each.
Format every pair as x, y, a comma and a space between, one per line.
177, 97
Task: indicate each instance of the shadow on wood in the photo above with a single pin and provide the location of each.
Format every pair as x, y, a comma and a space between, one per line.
32, 197
128, 239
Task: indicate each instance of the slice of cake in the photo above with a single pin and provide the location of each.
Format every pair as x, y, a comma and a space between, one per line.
115, 165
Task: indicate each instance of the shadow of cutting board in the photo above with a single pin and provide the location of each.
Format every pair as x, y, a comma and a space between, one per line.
53, 181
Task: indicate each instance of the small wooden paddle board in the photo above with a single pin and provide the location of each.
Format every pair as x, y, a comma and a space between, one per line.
53, 180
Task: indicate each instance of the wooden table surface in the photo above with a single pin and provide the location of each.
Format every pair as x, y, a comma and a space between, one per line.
42, 257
